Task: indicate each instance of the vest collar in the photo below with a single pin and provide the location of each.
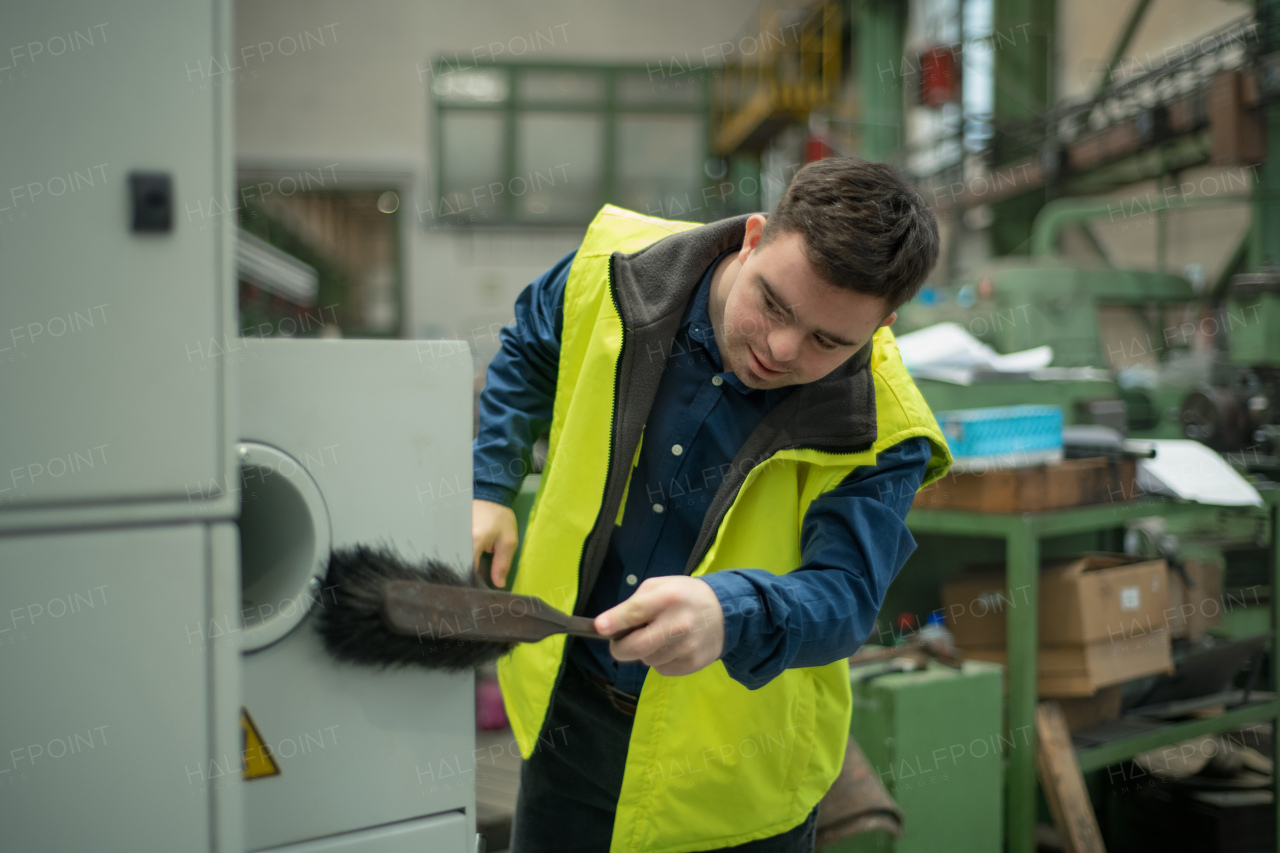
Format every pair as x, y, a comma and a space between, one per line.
651, 288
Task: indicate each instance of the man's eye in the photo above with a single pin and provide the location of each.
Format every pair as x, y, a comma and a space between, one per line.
824, 343
768, 304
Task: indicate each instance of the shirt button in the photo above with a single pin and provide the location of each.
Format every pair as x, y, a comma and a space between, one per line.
676, 449
631, 579
658, 508
717, 381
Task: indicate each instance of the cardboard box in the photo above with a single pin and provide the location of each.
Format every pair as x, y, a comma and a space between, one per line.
1038, 488
1194, 610
1092, 598
1081, 711
1081, 670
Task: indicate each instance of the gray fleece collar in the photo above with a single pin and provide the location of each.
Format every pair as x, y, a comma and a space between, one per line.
652, 287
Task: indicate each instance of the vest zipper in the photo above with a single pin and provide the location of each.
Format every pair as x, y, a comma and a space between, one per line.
608, 473
613, 406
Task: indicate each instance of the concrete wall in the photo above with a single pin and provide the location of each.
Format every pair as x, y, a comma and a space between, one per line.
360, 100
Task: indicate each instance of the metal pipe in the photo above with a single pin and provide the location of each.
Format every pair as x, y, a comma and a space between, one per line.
1066, 211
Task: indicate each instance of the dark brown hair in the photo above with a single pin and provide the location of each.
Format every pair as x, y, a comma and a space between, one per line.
864, 228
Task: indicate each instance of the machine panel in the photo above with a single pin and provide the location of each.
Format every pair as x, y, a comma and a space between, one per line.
106, 721
114, 334
381, 431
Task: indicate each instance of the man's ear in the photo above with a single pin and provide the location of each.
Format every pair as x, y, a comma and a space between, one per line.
751, 239
888, 321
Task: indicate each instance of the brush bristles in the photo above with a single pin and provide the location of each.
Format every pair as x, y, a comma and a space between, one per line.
350, 618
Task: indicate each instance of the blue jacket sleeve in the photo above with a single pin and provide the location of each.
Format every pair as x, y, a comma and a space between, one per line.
854, 541
520, 387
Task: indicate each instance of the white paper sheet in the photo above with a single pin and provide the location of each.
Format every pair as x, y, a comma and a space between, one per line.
1192, 471
946, 351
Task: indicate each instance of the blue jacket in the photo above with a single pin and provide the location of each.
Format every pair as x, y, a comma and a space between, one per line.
853, 538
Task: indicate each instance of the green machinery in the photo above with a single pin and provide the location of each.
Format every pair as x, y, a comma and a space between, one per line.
945, 770
1179, 363
1176, 363
1101, 318
1184, 364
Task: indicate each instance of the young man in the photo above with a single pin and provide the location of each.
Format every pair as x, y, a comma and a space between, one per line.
734, 445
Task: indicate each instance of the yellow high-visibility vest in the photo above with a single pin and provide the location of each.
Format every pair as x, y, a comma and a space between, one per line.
710, 763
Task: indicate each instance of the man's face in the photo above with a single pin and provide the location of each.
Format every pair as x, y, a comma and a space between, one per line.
779, 322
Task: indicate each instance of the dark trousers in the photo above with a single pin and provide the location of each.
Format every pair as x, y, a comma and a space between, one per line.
569, 787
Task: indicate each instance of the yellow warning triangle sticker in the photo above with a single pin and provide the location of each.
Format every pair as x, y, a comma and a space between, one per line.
255, 756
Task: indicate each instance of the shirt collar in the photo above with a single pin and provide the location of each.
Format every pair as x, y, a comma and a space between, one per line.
697, 319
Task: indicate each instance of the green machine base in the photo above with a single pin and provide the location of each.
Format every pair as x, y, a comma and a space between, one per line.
935, 739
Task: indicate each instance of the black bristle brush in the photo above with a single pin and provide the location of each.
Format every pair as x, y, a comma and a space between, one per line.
379, 609
351, 621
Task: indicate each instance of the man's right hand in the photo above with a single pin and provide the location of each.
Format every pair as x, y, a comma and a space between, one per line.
493, 528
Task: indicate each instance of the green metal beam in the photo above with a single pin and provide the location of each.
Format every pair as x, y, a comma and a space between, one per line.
1234, 265
1266, 197
1106, 755
1145, 164
1122, 44
1022, 39
1094, 243
1274, 510
881, 26
1022, 550
1266, 211
1059, 522
1054, 216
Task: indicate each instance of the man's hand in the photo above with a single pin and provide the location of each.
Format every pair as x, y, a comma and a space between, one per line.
493, 528
683, 625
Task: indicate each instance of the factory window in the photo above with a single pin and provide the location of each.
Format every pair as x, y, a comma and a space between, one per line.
549, 144
318, 254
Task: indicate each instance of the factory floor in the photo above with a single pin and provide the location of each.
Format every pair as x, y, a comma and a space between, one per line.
497, 778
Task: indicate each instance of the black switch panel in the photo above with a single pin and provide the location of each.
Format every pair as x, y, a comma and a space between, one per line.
152, 200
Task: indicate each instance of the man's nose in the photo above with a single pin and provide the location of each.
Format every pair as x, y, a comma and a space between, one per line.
784, 343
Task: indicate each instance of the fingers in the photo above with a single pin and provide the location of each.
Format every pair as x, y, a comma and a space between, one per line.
636, 611
493, 529
503, 552
655, 619
681, 625
482, 533
660, 642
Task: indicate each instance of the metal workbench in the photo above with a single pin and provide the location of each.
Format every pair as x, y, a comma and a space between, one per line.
1022, 534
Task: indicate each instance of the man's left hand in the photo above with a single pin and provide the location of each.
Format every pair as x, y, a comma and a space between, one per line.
683, 625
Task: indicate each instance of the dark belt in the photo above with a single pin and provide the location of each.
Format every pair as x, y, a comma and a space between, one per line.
624, 702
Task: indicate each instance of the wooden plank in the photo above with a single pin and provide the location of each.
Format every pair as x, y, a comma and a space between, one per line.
1063, 783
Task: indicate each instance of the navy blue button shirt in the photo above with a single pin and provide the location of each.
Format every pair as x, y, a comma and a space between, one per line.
853, 538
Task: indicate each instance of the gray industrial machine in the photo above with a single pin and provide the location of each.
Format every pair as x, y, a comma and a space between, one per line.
114, 421
346, 442
149, 457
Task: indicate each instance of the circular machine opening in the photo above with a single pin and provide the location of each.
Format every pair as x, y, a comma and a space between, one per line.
284, 543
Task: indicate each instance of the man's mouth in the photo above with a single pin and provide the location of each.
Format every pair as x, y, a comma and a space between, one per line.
760, 368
